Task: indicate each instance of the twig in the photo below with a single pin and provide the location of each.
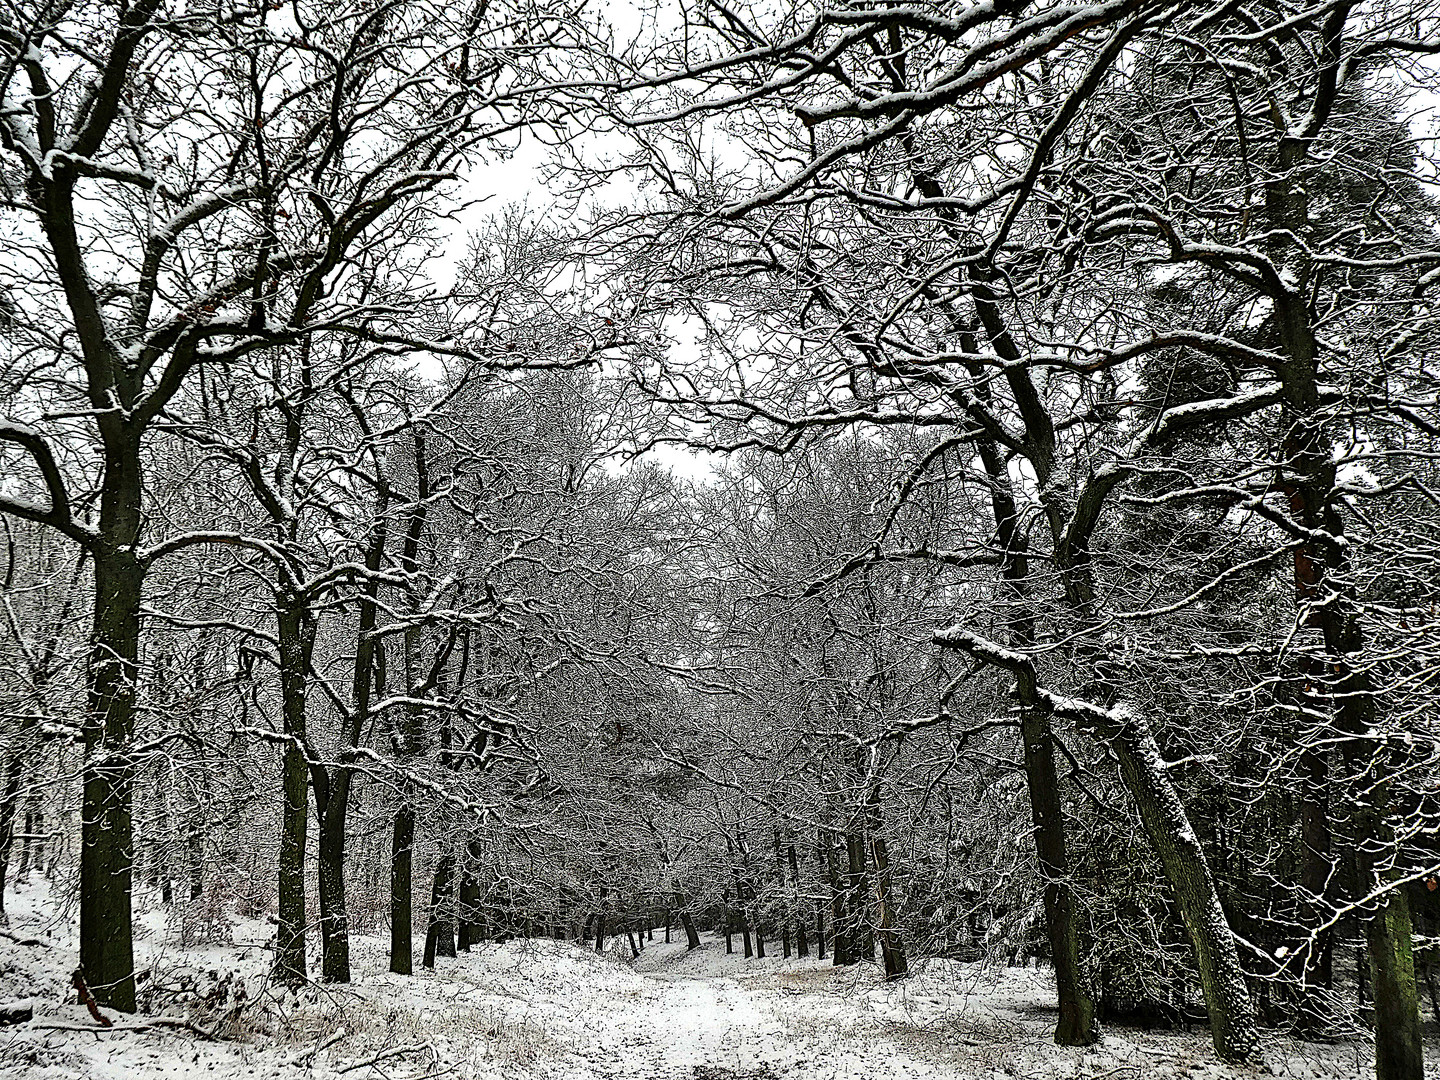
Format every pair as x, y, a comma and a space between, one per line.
153, 1024
394, 1052
309, 1055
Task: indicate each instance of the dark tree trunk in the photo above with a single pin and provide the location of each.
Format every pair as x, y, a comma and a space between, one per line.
106, 836
892, 947
1076, 1026
440, 931
840, 933
9, 803
402, 847
296, 639
600, 932
802, 948
862, 932
1317, 878
332, 785
332, 808
27, 830
466, 932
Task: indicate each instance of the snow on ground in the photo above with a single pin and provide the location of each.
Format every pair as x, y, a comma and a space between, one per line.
555, 1011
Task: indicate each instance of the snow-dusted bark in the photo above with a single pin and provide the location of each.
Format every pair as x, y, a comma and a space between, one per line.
1168, 827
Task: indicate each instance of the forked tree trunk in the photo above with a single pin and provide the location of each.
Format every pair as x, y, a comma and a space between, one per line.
1147, 779
862, 931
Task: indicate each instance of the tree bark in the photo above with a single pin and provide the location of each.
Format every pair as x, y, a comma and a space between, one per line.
1076, 1026
106, 830
840, 939
332, 810
402, 849
892, 946
296, 639
440, 932
801, 946
1227, 998
14, 770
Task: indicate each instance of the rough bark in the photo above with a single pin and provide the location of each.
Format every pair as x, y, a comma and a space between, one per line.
402, 847
1076, 1026
106, 832
440, 930
296, 639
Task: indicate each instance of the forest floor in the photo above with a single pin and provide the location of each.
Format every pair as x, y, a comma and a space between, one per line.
552, 1010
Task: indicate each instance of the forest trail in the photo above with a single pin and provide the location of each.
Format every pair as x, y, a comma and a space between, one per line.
549, 1010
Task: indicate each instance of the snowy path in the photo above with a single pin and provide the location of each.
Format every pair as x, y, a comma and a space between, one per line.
543, 1010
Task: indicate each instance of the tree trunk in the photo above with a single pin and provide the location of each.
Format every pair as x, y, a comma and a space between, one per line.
1227, 998
402, 847
862, 931
440, 932
333, 809
1317, 878
466, 927
840, 937
800, 944
1076, 1026
296, 639
892, 948
106, 832
1399, 1052
9, 803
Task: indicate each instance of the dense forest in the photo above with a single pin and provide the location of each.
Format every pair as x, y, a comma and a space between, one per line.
871, 480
